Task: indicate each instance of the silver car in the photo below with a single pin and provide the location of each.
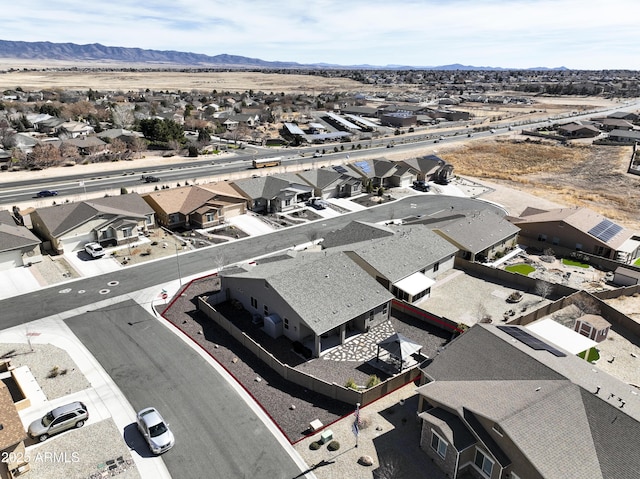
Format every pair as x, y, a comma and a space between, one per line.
58, 420
155, 430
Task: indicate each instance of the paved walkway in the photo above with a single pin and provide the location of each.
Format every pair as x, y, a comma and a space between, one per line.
361, 347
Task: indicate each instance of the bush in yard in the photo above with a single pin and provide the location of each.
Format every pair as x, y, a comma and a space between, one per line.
333, 446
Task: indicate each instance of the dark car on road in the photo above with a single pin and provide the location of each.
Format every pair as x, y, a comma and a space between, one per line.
45, 193
150, 179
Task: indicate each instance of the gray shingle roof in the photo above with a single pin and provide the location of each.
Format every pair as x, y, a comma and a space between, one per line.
410, 249
355, 232
324, 290
12, 236
67, 216
546, 405
479, 231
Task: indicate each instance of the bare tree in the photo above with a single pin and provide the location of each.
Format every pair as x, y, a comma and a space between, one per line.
586, 303
122, 116
45, 155
543, 289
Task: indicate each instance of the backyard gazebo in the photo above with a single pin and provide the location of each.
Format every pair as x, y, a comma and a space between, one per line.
400, 349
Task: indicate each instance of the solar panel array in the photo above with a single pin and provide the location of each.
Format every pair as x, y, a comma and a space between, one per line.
364, 166
340, 169
530, 340
605, 230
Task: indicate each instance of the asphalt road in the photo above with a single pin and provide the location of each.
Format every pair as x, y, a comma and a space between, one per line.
82, 293
217, 435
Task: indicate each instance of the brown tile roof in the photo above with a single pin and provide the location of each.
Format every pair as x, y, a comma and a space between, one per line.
12, 430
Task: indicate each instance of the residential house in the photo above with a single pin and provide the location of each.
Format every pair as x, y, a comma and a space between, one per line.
74, 129
18, 245
577, 229
407, 262
86, 145
498, 402
609, 124
250, 120
329, 183
431, 168
624, 136
274, 193
578, 130
195, 206
383, 173
291, 294
12, 436
480, 236
111, 220
121, 134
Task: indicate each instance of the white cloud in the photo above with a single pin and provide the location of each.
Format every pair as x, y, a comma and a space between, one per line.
508, 33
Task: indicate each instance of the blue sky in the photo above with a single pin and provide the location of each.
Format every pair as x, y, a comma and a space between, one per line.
577, 34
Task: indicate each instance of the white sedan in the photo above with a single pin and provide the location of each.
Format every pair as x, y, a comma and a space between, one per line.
155, 430
94, 249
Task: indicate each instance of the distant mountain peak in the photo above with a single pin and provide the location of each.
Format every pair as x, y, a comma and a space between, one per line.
95, 52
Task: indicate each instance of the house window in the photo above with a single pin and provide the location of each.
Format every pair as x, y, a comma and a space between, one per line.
436, 267
149, 220
254, 303
483, 463
555, 241
385, 309
542, 237
209, 217
286, 323
287, 202
174, 218
438, 444
266, 310
126, 232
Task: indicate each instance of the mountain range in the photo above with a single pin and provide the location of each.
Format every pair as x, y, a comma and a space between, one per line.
97, 53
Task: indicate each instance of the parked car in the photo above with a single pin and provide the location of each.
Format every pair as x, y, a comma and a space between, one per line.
155, 430
420, 185
317, 203
94, 249
58, 420
150, 179
46, 193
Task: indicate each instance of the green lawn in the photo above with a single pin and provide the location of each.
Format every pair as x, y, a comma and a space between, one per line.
593, 354
523, 269
637, 262
571, 262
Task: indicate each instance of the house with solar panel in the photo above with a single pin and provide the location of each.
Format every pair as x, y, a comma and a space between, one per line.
577, 229
500, 402
331, 182
383, 173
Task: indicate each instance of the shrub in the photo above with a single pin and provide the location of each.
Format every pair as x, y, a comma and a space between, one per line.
314, 446
333, 446
54, 372
351, 384
373, 381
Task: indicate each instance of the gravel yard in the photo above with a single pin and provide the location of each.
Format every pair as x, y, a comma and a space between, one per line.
275, 395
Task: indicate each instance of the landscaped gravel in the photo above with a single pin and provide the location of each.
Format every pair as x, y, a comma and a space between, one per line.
290, 406
83, 453
56, 373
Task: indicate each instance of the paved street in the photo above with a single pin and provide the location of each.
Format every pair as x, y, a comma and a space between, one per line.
217, 434
86, 291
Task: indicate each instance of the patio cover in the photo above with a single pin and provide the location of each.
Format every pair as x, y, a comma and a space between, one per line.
399, 346
415, 283
561, 336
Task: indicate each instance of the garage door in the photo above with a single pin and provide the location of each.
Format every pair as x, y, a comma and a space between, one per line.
10, 260
76, 243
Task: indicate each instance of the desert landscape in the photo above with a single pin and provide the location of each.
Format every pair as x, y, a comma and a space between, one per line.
575, 174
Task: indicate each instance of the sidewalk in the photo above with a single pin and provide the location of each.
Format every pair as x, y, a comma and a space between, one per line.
103, 398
